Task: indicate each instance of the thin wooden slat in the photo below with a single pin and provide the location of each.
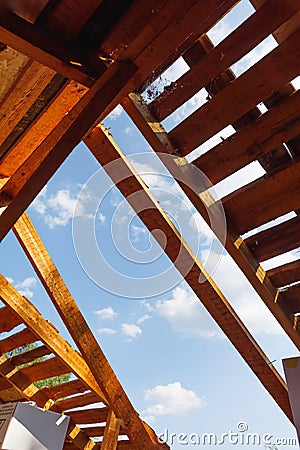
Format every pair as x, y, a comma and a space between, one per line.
185, 175
250, 143
43, 47
240, 96
8, 319
78, 401
111, 433
31, 355
61, 105
63, 390
106, 151
285, 274
50, 154
94, 431
23, 93
275, 240
80, 332
265, 199
45, 369
47, 334
19, 339
256, 28
88, 416
292, 296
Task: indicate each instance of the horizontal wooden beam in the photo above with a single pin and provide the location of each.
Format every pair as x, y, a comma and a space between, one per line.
82, 335
275, 240
40, 329
33, 174
265, 199
8, 320
243, 94
253, 141
16, 340
256, 28
292, 297
285, 274
40, 46
129, 182
185, 175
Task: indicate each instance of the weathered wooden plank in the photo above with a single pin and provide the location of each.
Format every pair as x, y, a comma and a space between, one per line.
256, 28
47, 334
45, 369
93, 431
265, 199
285, 274
11, 395
185, 175
278, 125
31, 355
240, 96
8, 319
81, 333
61, 105
111, 433
78, 401
43, 47
154, 217
17, 340
63, 390
275, 240
92, 415
50, 154
33, 79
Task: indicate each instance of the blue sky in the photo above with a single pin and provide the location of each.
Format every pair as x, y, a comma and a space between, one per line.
177, 367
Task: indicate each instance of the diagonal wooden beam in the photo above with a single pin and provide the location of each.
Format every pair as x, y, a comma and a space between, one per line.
141, 438
33, 174
46, 332
101, 144
33, 41
183, 171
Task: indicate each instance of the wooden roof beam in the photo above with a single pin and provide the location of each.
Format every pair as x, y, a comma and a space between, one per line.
240, 96
249, 34
33, 41
33, 174
129, 182
276, 240
285, 274
45, 269
183, 172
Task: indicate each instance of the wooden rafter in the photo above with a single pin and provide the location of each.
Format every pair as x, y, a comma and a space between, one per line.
128, 181
42, 263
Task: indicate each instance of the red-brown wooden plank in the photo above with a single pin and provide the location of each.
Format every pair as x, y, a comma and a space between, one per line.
285, 274
8, 319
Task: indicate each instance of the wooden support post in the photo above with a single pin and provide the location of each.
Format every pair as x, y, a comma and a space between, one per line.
111, 433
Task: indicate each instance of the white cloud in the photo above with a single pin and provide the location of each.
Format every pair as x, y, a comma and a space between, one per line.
106, 313
115, 113
106, 331
131, 330
186, 314
59, 208
255, 55
172, 399
102, 218
200, 226
144, 318
129, 130
26, 287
